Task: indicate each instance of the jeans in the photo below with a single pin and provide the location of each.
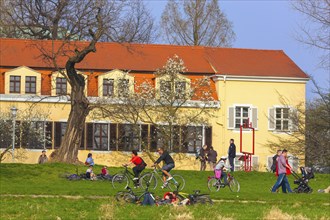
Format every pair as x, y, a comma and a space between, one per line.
203, 165
283, 181
212, 165
231, 162
137, 170
224, 177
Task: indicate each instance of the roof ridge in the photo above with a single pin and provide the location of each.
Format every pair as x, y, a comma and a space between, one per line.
147, 45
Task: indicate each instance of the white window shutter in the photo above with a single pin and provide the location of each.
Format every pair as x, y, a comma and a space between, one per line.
271, 119
255, 118
293, 119
231, 118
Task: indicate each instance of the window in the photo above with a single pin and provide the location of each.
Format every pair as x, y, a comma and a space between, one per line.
129, 137
15, 84
123, 88
241, 116
108, 87
61, 86
184, 139
60, 128
37, 134
192, 137
30, 84
165, 89
180, 90
282, 119
101, 136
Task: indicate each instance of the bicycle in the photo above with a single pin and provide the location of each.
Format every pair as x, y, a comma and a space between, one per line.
195, 198
130, 197
151, 179
121, 180
214, 184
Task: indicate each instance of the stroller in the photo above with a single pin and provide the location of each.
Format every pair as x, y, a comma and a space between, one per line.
302, 182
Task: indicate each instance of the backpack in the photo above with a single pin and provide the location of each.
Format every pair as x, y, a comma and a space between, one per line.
143, 163
73, 177
148, 199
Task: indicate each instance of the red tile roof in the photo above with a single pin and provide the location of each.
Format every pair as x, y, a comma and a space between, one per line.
147, 58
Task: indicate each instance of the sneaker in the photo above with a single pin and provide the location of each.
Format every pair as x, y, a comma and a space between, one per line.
135, 178
164, 185
168, 179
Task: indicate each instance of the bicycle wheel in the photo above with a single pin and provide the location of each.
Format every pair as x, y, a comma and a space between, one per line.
213, 184
119, 181
125, 197
233, 184
204, 199
148, 178
177, 182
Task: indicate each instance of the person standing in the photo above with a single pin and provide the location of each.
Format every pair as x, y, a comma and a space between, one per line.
232, 154
282, 167
212, 158
43, 157
203, 158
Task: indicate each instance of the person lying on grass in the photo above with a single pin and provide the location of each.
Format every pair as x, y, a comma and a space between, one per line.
169, 164
220, 168
90, 174
139, 163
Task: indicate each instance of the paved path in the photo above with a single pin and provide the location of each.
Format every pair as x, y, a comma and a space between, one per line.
106, 197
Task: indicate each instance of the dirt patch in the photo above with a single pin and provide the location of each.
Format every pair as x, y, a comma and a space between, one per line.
275, 213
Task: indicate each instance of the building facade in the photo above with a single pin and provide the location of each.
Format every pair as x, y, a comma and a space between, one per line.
245, 85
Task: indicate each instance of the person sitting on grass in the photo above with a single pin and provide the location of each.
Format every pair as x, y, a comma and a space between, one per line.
90, 174
43, 158
89, 161
220, 169
104, 173
140, 165
169, 164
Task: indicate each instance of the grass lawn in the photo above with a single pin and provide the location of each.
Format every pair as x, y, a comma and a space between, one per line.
37, 192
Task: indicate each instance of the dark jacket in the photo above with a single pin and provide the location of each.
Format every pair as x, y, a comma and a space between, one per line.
166, 157
232, 150
202, 155
273, 168
212, 156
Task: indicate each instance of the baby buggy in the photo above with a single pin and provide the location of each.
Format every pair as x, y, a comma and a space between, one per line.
302, 182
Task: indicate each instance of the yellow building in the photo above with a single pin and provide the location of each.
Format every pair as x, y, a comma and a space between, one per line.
245, 84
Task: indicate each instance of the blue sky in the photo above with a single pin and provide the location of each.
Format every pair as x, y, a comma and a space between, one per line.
267, 25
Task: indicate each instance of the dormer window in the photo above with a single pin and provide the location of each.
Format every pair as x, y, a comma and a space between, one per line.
23, 80
30, 84
15, 84
165, 89
180, 89
108, 87
123, 88
173, 88
61, 86
115, 84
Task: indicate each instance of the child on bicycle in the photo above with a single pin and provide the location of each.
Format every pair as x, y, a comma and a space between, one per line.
220, 168
139, 163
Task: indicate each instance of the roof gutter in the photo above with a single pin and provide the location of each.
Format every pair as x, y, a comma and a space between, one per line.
259, 78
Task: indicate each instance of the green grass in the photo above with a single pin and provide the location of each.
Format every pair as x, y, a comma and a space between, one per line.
254, 200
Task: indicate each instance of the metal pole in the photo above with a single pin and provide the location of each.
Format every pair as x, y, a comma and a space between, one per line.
13, 144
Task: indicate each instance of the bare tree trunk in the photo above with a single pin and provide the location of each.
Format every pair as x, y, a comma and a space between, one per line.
68, 152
